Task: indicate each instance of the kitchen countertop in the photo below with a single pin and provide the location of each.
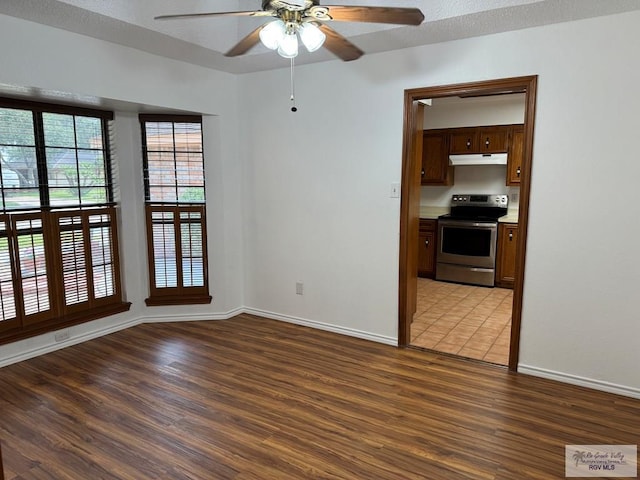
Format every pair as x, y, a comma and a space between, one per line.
432, 213
510, 217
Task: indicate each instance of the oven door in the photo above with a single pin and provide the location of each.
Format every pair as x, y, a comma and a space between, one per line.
467, 242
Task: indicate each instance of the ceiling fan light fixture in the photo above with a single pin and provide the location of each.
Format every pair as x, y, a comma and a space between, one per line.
272, 34
288, 47
312, 37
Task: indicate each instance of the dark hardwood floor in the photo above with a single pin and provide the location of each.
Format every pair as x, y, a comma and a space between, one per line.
250, 398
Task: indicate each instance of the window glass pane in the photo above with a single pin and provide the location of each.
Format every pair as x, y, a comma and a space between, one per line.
89, 132
163, 194
62, 167
22, 198
63, 196
16, 127
174, 162
191, 194
59, 130
188, 137
159, 136
19, 167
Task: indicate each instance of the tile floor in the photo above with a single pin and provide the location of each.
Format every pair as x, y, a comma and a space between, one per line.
465, 320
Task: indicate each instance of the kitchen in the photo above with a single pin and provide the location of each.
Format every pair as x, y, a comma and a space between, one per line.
469, 198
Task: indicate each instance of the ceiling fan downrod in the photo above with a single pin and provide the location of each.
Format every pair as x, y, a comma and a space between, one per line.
293, 91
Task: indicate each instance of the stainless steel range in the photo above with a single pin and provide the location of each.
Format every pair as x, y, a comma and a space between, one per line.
467, 239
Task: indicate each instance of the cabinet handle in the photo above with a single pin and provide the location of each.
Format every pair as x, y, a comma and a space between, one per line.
510, 236
486, 142
468, 143
518, 172
426, 242
422, 173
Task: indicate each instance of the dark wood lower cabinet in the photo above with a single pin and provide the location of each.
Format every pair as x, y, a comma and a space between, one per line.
427, 248
1, 467
506, 261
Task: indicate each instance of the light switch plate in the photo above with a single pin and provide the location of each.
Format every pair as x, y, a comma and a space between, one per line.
395, 190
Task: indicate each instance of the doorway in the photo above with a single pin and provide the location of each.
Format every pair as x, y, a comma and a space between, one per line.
414, 112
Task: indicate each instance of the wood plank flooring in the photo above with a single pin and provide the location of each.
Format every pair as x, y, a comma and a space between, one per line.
251, 398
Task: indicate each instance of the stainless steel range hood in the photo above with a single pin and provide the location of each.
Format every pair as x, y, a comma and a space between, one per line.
478, 159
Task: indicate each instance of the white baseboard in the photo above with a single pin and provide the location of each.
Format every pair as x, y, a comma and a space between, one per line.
46, 343
352, 332
199, 317
580, 381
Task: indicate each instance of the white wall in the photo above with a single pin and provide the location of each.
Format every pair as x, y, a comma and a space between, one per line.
453, 112
52, 64
305, 196
318, 206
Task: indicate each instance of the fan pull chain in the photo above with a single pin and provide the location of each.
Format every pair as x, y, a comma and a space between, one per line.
293, 91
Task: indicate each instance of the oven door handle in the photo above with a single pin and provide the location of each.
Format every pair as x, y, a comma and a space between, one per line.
481, 270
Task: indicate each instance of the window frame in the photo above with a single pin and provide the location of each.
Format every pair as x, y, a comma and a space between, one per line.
179, 294
59, 314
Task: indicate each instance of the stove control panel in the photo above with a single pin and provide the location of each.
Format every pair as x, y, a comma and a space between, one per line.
479, 200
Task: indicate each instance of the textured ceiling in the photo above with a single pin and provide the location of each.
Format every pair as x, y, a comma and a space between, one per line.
204, 41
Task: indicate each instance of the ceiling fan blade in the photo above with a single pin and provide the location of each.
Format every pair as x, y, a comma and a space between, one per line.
244, 45
395, 15
340, 46
257, 13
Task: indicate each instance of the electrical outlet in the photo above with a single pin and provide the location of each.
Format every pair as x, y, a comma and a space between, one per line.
62, 335
299, 288
513, 198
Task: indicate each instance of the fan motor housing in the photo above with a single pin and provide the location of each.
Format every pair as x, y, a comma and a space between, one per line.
292, 5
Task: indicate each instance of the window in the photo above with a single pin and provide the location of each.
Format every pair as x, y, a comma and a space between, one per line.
58, 239
175, 209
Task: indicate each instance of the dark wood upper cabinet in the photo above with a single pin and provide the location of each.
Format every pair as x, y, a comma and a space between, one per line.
493, 139
435, 158
489, 139
516, 155
463, 140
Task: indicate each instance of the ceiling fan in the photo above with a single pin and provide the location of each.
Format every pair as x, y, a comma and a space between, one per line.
305, 18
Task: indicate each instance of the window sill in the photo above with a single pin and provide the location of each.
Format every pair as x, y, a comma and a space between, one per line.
162, 300
63, 322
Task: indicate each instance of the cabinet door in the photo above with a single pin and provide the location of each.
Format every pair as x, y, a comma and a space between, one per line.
493, 140
435, 159
507, 248
463, 140
516, 155
427, 248
426, 255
